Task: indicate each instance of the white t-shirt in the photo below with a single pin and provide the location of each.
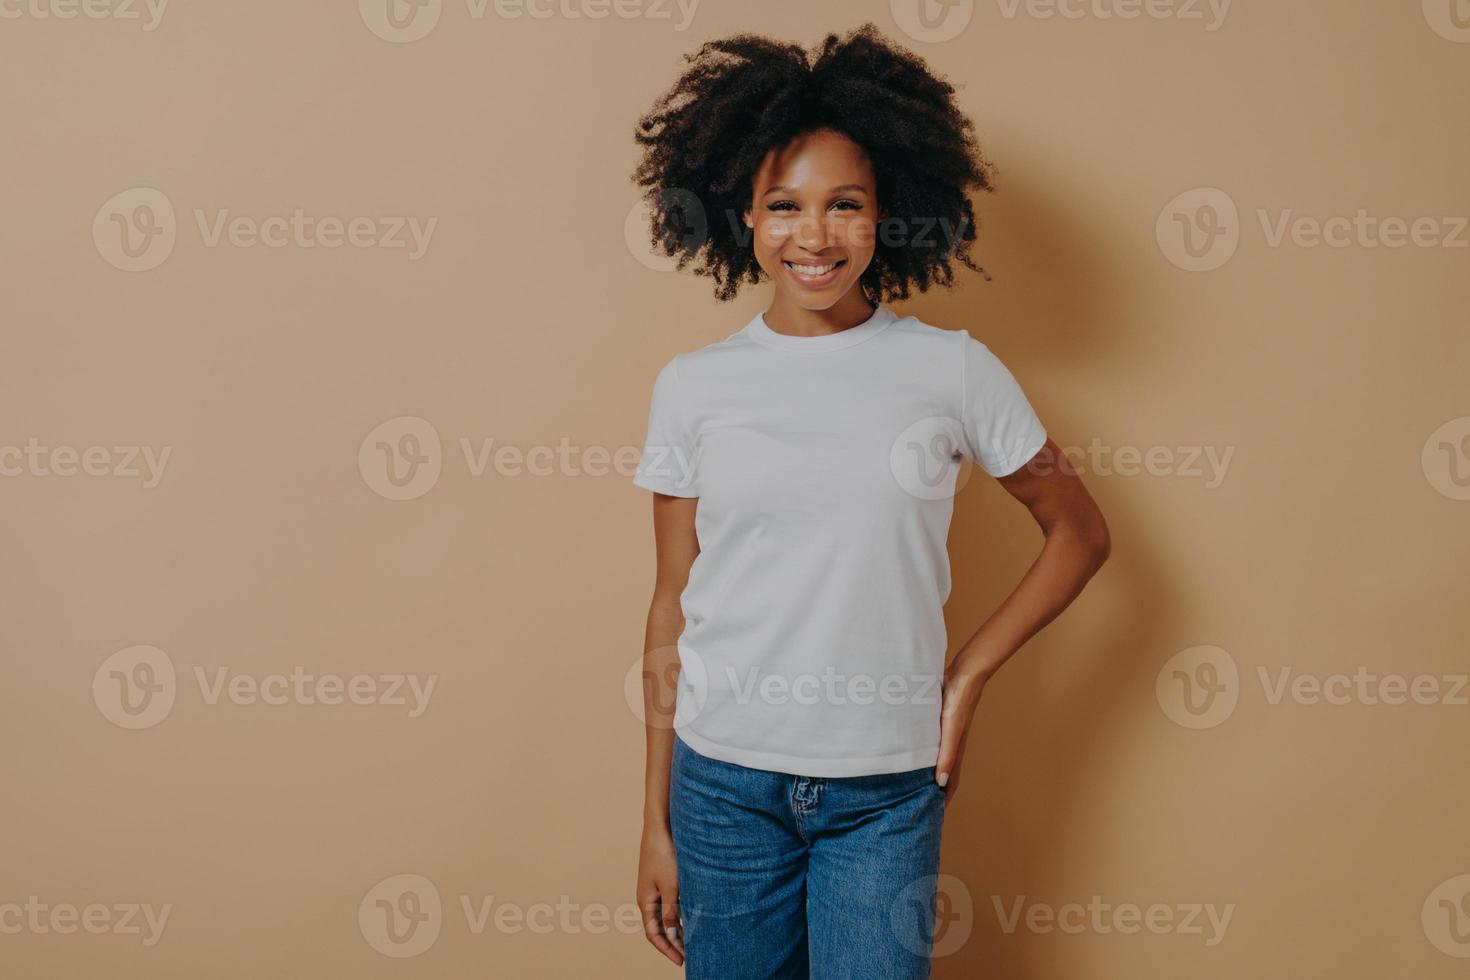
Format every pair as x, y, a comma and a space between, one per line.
825, 468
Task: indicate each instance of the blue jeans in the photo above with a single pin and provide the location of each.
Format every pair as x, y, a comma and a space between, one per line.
786, 876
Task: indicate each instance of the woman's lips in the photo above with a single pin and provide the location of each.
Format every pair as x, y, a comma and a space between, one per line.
800, 273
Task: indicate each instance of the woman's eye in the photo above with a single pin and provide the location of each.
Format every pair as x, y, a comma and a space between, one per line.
843, 205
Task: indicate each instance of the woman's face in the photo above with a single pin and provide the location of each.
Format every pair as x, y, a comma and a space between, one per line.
814, 214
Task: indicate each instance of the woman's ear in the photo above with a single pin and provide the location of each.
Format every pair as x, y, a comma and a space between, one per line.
749, 221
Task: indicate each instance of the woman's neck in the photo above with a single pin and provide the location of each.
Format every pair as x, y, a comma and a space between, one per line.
786, 316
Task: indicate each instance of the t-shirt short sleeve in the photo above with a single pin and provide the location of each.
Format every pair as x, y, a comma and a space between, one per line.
1001, 427
667, 463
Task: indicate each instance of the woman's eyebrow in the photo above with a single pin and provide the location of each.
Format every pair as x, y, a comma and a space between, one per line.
839, 187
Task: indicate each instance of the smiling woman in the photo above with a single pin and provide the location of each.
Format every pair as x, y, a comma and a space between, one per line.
910, 150
819, 236
797, 780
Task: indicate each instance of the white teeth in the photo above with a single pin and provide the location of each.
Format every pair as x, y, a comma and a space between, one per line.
812, 271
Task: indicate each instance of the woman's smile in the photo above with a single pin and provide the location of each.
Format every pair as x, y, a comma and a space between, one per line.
813, 275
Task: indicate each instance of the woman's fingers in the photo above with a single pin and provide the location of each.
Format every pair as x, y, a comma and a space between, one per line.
952, 731
655, 930
950, 740
956, 712
671, 923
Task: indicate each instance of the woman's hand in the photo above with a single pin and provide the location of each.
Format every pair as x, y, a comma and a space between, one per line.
960, 697
1077, 543
658, 894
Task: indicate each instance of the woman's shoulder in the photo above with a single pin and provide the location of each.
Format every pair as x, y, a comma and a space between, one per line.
955, 341
716, 351
943, 342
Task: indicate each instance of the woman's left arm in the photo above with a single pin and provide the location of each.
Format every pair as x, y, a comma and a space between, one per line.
1077, 544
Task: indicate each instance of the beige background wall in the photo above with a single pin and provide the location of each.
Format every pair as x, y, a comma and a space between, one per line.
151, 617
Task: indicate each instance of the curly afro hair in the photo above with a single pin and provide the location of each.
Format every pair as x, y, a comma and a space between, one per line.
745, 95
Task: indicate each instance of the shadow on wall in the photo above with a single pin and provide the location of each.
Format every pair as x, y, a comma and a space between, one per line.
1061, 703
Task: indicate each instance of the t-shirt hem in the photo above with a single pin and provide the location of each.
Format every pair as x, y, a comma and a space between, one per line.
797, 765
664, 487
1030, 448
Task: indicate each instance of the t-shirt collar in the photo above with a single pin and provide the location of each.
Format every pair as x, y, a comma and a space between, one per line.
761, 333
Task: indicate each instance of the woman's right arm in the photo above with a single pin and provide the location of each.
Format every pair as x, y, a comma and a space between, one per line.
658, 879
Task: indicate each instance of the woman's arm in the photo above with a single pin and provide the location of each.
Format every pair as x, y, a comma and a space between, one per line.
658, 880
1077, 544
